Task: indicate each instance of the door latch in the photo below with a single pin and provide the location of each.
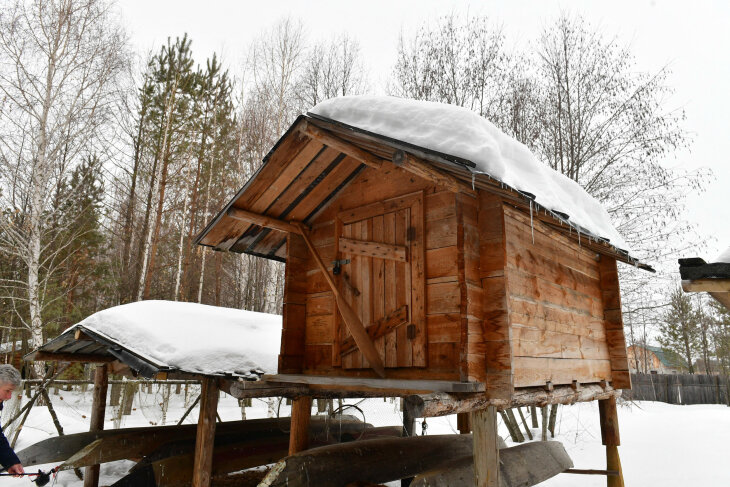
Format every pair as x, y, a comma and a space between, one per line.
337, 266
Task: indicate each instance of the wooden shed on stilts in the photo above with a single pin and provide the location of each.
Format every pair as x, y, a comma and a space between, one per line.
414, 271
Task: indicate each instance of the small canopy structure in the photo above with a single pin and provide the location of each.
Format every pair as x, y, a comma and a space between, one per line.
164, 339
713, 278
172, 338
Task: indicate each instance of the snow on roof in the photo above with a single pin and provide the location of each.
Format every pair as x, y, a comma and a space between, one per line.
724, 257
193, 337
459, 132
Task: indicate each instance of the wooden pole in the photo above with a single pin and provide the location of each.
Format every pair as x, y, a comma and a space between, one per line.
301, 411
463, 423
409, 426
486, 448
98, 410
205, 436
610, 437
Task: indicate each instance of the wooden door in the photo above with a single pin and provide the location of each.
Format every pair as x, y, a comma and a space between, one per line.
381, 250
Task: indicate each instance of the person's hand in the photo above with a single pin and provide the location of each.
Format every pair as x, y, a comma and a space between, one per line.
16, 470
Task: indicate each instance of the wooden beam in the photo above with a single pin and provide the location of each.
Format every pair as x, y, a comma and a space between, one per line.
98, 410
371, 383
427, 171
443, 403
263, 220
301, 412
205, 436
586, 471
706, 285
353, 323
378, 250
331, 140
41, 355
486, 448
378, 329
611, 438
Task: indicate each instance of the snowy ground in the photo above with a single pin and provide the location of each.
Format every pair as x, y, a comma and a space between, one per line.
661, 444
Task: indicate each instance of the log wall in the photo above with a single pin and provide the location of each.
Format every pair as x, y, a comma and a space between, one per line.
506, 300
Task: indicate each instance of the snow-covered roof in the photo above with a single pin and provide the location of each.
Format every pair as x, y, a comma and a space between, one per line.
191, 337
459, 132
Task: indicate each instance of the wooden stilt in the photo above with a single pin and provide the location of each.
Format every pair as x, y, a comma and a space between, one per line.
205, 436
611, 438
98, 410
409, 426
301, 410
463, 423
486, 448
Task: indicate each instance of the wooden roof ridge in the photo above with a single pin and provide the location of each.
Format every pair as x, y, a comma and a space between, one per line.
372, 149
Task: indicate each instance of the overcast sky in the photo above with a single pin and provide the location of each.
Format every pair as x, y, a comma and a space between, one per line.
693, 38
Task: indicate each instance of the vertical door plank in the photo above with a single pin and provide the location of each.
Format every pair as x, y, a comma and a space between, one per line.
417, 307
391, 359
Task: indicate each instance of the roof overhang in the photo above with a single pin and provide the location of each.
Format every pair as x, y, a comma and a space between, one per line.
316, 159
713, 278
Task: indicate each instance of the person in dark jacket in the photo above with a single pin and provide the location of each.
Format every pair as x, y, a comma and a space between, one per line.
9, 380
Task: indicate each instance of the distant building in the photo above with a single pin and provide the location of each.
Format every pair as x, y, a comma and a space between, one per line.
650, 359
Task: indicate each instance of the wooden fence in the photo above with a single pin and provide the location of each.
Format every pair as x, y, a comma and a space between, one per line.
679, 388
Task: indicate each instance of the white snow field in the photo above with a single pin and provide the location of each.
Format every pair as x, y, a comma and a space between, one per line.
661, 444
459, 132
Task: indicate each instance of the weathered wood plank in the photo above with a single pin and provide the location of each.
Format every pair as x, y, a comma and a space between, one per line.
374, 249
379, 329
205, 436
535, 371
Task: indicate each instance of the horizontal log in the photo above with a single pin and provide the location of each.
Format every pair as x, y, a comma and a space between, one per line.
370, 383
442, 404
520, 466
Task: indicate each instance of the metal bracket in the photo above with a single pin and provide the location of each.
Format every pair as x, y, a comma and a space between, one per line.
337, 266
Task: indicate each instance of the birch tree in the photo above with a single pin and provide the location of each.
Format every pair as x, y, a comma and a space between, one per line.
60, 63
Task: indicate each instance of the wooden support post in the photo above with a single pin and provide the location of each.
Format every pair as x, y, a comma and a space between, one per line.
533, 416
301, 411
409, 426
486, 447
524, 423
544, 411
205, 436
610, 437
98, 410
463, 423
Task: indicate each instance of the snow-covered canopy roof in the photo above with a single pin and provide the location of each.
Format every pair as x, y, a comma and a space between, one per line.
464, 134
186, 337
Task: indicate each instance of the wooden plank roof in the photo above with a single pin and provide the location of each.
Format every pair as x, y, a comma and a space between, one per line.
316, 159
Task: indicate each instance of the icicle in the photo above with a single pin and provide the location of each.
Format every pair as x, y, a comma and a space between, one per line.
578, 230
473, 179
532, 227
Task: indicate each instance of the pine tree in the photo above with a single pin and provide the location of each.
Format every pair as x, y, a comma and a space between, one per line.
679, 331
